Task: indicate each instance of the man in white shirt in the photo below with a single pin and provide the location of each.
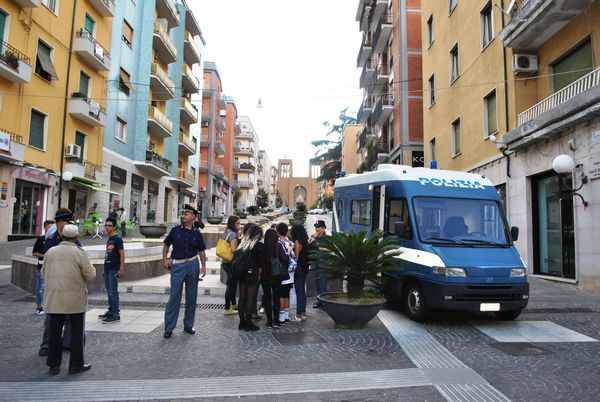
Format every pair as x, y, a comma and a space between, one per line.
123, 220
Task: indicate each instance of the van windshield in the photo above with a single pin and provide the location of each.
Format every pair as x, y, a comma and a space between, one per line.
460, 221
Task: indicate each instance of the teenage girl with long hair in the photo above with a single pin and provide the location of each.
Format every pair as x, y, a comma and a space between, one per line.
248, 281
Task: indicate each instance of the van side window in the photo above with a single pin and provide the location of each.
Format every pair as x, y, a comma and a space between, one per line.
361, 212
340, 209
398, 212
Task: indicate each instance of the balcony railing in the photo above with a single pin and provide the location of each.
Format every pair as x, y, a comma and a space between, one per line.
158, 160
190, 109
383, 109
243, 184
583, 84
167, 10
91, 51
185, 175
382, 33
163, 45
11, 56
90, 169
162, 86
204, 141
191, 52
191, 84
159, 123
186, 140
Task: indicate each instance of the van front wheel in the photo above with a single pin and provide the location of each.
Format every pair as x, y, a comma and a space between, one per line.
508, 315
415, 304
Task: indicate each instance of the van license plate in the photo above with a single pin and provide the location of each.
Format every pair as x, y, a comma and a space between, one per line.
489, 307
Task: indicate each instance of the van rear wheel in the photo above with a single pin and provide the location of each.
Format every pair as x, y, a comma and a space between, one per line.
415, 303
508, 315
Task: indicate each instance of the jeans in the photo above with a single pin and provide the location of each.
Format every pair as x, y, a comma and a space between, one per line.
39, 290
66, 336
112, 290
231, 288
75, 332
300, 286
123, 224
320, 282
184, 273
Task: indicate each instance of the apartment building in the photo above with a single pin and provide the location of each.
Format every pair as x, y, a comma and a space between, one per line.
151, 114
390, 59
350, 134
54, 60
214, 191
245, 174
554, 48
267, 177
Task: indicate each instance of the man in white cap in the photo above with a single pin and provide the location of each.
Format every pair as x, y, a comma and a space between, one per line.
67, 269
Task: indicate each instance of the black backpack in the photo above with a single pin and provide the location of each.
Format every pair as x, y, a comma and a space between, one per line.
241, 262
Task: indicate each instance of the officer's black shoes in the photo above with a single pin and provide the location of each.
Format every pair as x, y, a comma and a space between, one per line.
168, 334
80, 369
189, 330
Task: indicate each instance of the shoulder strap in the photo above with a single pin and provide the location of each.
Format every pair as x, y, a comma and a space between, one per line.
227, 237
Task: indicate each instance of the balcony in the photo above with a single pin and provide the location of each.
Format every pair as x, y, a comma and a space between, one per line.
87, 111
186, 145
362, 14
191, 53
259, 182
383, 151
383, 75
383, 109
365, 51
106, 8
155, 164
220, 148
221, 101
378, 7
189, 82
188, 111
27, 3
219, 171
203, 166
365, 110
244, 167
91, 51
245, 135
237, 129
191, 24
164, 48
367, 77
158, 123
183, 178
220, 124
242, 184
364, 138
572, 105
84, 168
14, 65
167, 10
239, 150
13, 148
161, 85
382, 33
204, 141
536, 21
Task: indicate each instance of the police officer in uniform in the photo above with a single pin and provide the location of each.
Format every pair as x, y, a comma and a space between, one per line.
187, 242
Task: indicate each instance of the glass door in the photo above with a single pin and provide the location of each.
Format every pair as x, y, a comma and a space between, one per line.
554, 231
28, 210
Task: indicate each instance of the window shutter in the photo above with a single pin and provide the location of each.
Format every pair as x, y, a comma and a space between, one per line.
573, 66
36, 130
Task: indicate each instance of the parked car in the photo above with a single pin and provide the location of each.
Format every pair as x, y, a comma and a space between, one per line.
317, 211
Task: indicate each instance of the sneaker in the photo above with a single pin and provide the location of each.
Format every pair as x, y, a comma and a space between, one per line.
39, 311
303, 316
261, 310
105, 315
111, 319
230, 311
277, 324
234, 306
296, 319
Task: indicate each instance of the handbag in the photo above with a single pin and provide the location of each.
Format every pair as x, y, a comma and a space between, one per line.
224, 249
278, 271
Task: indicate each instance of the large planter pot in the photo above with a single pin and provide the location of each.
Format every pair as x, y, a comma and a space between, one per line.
153, 231
349, 315
296, 221
214, 220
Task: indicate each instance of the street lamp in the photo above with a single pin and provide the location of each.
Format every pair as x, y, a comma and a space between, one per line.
66, 176
564, 164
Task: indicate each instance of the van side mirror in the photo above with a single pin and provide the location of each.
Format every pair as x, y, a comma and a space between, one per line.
402, 230
514, 233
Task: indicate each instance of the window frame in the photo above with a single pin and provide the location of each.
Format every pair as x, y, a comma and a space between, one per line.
81, 158
369, 210
121, 123
51, 56
431, 83
486, 127
454, 56
54, 10
432, 149
89, 83
430, 31
455, 152
44, 133
93, 21
128, 41
122, 84
405, 210
486, 15
452, 6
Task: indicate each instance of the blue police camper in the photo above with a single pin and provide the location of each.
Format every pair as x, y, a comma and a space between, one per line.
457, 248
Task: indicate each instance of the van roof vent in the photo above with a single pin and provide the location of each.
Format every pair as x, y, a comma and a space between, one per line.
389, 166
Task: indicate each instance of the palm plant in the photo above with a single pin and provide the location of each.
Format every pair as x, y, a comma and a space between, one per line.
356, 257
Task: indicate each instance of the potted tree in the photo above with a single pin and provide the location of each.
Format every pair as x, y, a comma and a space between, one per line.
355, 258
299, 215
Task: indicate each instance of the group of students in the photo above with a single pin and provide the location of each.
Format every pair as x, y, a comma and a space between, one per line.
266, 255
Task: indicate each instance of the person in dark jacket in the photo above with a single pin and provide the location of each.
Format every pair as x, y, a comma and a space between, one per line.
300, 239
38, 251
248, 281
271, 285
320, 279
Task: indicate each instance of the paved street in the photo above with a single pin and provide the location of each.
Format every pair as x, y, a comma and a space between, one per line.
551, 353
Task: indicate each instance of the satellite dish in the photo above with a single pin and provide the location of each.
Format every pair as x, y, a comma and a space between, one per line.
511, 6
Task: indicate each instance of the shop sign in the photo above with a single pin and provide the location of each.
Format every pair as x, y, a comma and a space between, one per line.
4, 141
137, 182
594, 172
152, 187
418, 159
34, 176
118, 175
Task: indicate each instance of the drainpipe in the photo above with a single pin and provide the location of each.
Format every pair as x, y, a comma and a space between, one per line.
65, 105
505, 94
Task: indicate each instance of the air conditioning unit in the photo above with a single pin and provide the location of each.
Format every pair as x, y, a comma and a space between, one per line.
525, 63
73, 151
222, 112
204, 123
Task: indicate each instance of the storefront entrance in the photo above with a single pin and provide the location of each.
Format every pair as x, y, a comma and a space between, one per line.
553, 227
28, 213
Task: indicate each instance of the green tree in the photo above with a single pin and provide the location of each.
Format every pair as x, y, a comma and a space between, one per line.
262, 198
237, 193
329, 151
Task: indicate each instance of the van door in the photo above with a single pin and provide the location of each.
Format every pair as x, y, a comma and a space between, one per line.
378, 210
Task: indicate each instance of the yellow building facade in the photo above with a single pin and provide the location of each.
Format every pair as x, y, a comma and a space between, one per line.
350, 156
54, 106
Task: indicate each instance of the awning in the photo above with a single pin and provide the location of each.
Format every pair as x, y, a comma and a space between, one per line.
95, 188
87, 183
46, 63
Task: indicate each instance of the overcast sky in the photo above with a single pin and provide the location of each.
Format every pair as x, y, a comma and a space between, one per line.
297, 56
